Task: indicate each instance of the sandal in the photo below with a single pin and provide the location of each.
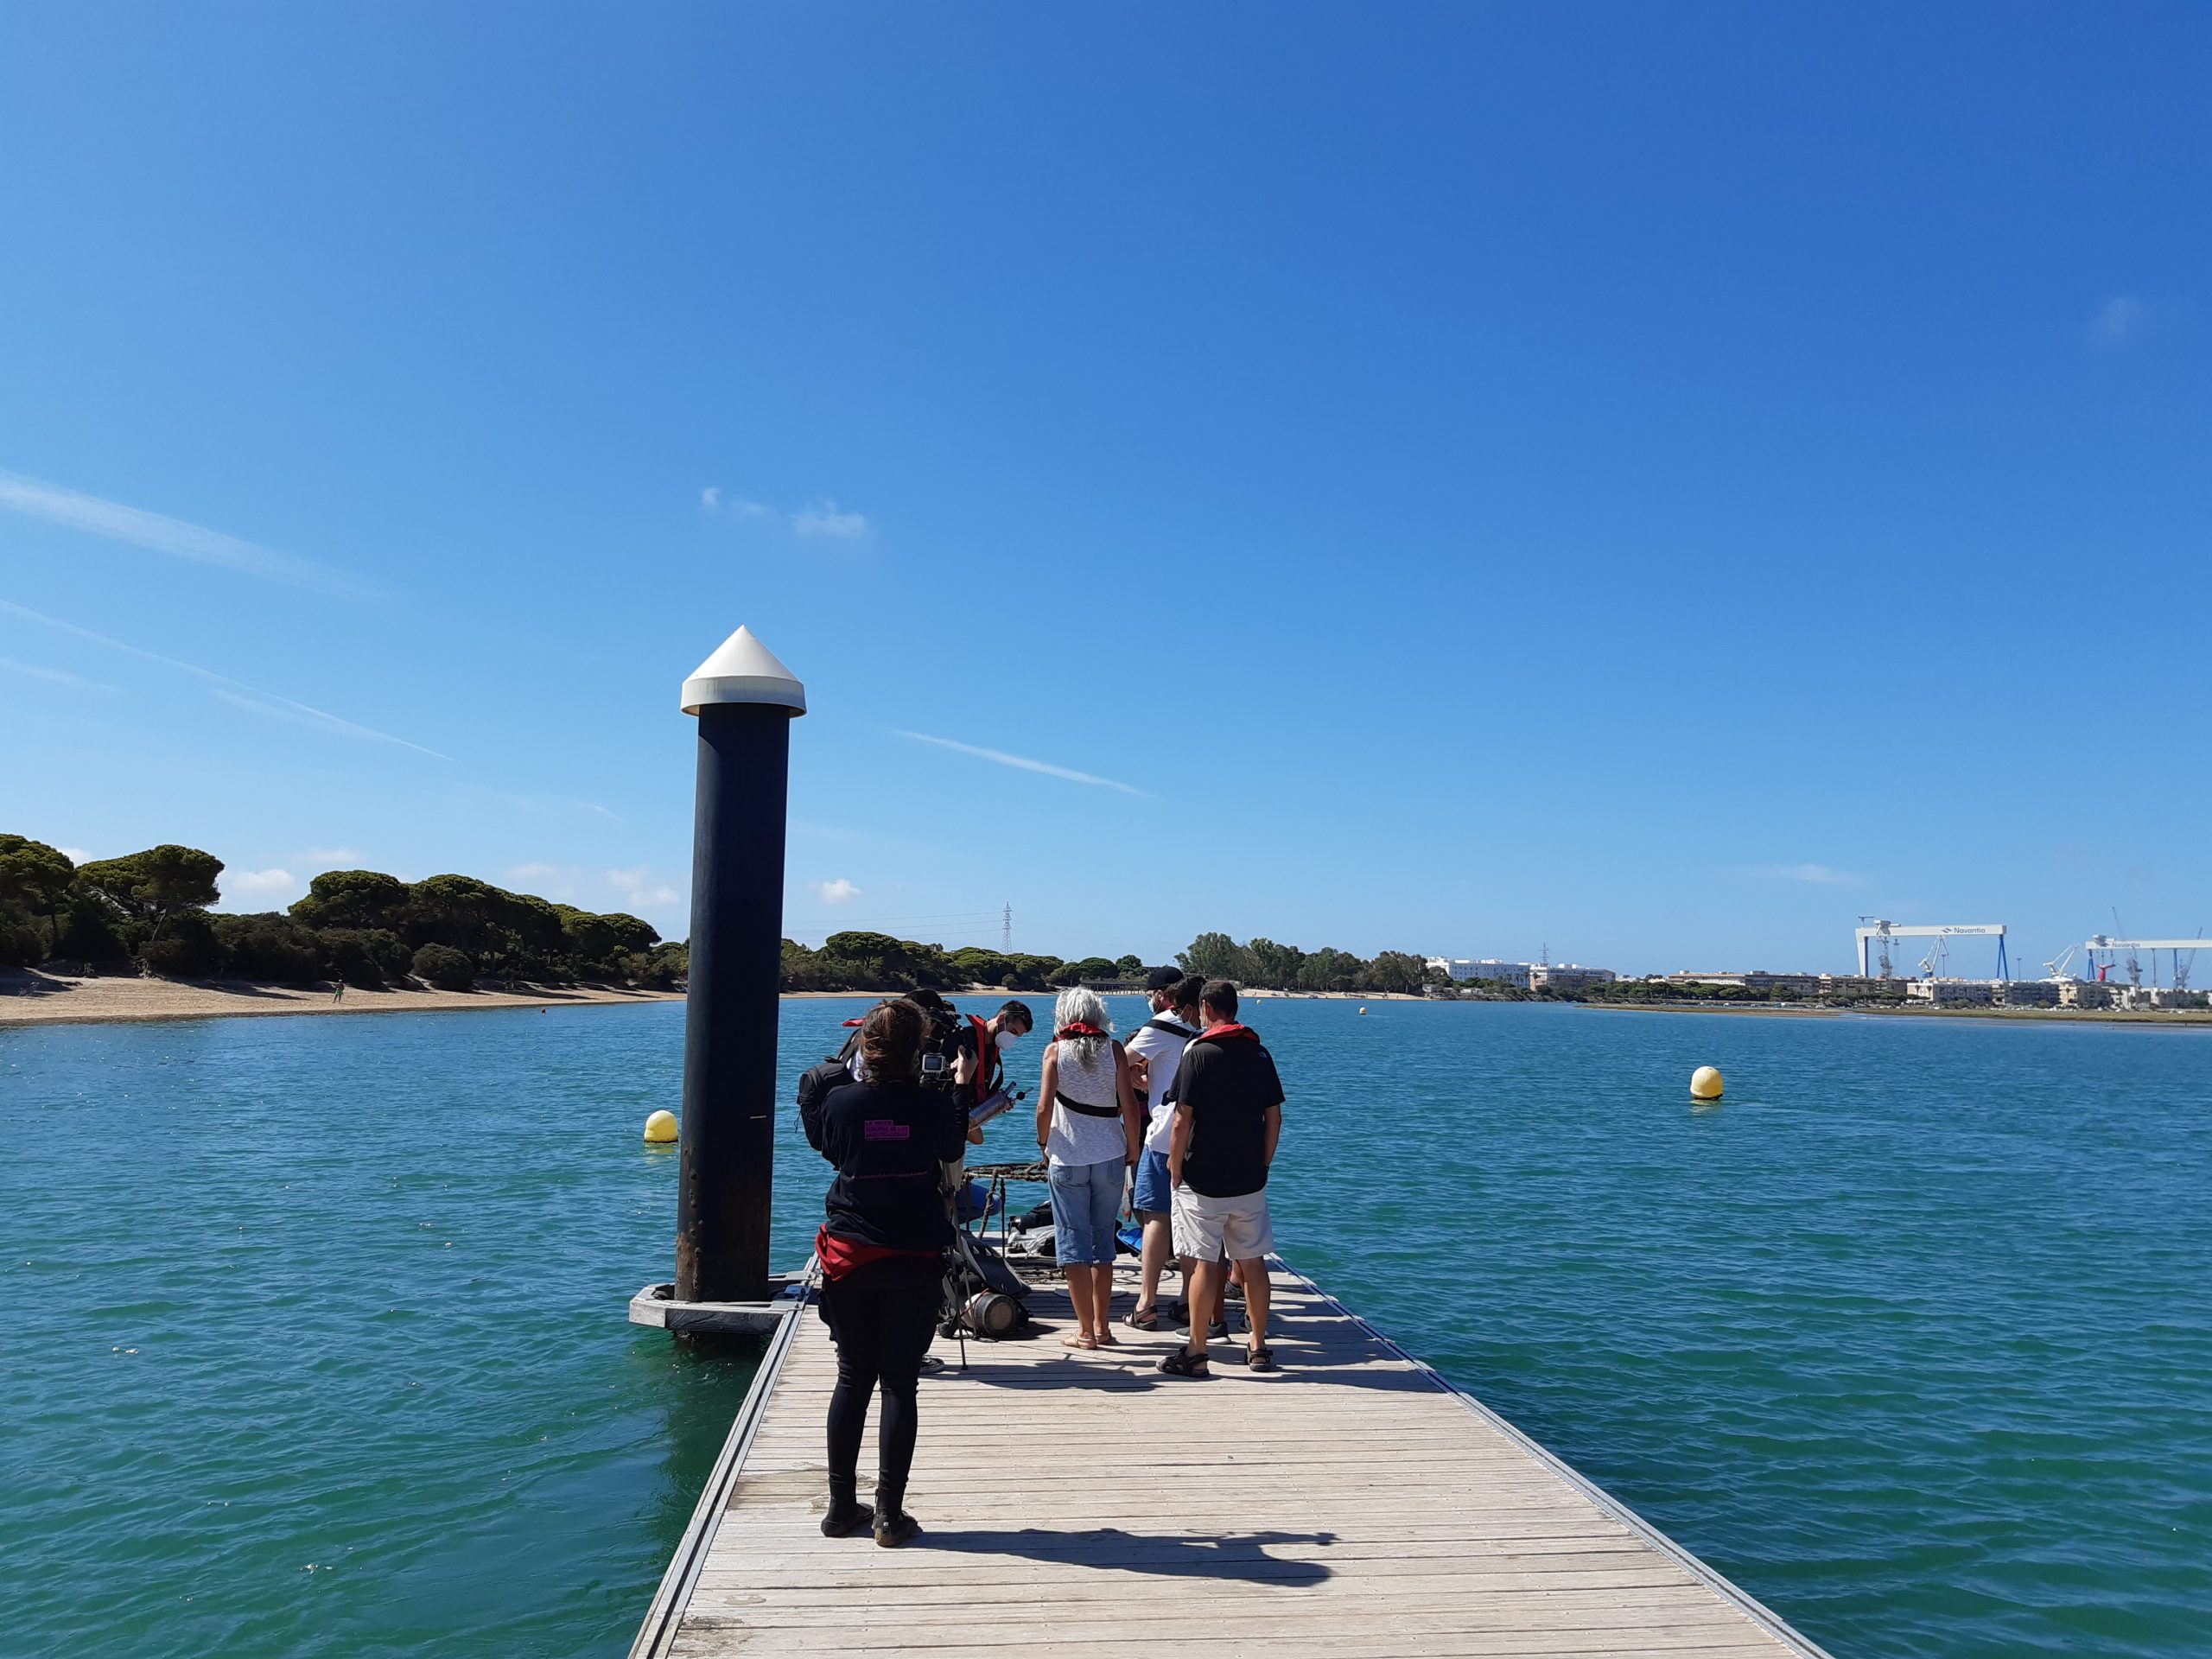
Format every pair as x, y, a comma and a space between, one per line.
1078, 1341
1145, 1319
1183, 1363
1260, 1359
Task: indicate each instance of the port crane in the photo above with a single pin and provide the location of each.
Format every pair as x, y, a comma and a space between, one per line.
1885, 932
2113, 947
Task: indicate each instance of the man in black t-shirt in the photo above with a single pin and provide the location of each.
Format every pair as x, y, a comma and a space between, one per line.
1228, 1120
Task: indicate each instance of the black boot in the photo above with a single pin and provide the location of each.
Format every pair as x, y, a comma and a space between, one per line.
893, 1526
846, 1514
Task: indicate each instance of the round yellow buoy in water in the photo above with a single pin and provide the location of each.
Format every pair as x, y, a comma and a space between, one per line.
660, 1129
1705, 1084
1362, 1010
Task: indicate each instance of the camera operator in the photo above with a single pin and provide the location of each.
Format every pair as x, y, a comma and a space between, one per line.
981, 1066
949, 1047
881, 1248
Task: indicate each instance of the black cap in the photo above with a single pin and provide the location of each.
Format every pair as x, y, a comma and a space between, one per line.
1162, 979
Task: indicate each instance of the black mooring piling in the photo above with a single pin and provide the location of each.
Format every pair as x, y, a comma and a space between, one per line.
745, 700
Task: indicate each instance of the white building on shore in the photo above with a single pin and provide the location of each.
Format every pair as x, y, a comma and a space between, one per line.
1521, 976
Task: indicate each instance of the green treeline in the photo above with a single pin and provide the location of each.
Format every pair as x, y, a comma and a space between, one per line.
1275, 967
148, 910
877, 962
151, 912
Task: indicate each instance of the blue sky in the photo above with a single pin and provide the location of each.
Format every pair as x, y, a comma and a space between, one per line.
1653, 482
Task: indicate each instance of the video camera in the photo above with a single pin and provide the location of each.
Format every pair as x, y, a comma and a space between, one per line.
940, 1048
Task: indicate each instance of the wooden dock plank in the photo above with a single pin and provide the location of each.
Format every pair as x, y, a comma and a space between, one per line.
1351, 1505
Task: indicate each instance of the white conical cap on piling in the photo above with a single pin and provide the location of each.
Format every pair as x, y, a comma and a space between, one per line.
742, 669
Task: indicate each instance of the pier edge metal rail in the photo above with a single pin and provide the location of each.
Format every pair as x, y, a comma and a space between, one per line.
1741, 1599
657, 1634
665, 1615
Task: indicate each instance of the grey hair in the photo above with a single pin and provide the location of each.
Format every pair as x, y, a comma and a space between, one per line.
1080, 1007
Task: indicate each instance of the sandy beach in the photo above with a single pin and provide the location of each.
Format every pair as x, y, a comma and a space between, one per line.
31, 999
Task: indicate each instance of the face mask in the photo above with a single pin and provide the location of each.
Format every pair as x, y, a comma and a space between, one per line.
1008, 1039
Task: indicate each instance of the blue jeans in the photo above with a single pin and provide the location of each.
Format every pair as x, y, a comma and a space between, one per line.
1086, 1204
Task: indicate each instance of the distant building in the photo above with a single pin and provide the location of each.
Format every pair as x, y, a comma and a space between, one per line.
1461, 970
1861, 985
1952, 993
1514, 973
1565, 976
1756, 978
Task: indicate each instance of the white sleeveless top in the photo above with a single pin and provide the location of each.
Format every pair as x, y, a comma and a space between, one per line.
1078, 1137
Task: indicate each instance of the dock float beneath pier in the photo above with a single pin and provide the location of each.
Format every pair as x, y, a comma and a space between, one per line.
1353, 1504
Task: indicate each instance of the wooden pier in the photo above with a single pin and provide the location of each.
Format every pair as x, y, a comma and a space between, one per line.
1353, 1504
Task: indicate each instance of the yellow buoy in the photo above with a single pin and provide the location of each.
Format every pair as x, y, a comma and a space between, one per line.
1362, 1010
660, 1129
1705, 1084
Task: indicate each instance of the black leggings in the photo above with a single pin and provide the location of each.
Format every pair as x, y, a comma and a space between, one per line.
882, 1317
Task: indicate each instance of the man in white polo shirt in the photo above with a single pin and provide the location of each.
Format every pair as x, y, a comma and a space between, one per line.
1159, 1047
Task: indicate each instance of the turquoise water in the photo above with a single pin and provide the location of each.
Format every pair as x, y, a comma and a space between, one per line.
314, 1342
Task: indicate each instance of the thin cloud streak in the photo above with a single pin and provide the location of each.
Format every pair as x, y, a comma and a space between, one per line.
238, 692
551, 806
820, 520
90, 513
1817, 875
1025, 764
55, 676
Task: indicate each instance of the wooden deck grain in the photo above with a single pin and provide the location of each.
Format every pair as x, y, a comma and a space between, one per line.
1351, 1505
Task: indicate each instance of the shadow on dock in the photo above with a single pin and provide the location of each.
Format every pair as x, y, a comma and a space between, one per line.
1241, 1557
1063, 1371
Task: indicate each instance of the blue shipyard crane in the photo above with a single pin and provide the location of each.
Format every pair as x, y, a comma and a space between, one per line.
1885, 932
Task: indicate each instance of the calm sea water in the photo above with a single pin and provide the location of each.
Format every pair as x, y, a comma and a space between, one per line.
312, 1339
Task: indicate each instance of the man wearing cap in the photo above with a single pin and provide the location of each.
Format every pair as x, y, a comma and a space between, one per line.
1154, 1052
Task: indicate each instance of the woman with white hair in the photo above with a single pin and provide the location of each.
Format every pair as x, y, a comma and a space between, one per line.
1090, 1128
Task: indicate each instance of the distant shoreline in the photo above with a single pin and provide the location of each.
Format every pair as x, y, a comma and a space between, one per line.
2050, 1016
37, 999
1715, 1007
30, 998
33, 999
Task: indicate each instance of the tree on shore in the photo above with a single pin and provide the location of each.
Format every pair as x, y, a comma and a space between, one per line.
358, 899
1271, 966
155, 885
445, 968
363, 927
1396, 970
1215, 955
35, 883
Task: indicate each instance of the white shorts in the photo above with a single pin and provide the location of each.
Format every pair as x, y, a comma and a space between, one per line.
1212, 1229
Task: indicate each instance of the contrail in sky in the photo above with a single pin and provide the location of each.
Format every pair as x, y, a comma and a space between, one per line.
172, 536
1025, 763
267, 702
